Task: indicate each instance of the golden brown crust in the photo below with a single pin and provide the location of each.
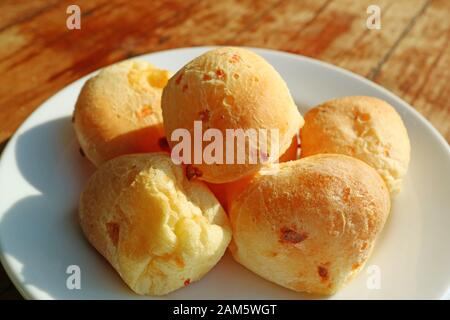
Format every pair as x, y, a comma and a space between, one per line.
157, 229
309, 224
230, 88
119, 111
363, 127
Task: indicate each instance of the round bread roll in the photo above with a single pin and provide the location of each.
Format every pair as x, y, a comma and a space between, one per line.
309, 225
156, 228
366, 128
119, 111
230, 88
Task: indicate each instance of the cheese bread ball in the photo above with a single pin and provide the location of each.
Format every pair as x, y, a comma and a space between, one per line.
230, 88
157, 229
119, 111
366, 128
309, 225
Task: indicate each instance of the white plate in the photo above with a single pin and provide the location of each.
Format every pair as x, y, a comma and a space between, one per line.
42, 174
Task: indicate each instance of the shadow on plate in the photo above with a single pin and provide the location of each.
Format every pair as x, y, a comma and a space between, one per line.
44, 156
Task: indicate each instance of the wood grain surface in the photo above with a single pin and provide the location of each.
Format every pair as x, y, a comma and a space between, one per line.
409, 55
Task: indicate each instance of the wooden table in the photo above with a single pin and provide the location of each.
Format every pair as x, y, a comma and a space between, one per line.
409, 55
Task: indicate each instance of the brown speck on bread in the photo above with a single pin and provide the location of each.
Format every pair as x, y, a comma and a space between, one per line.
82, 152
220, 73
192, 172
179, 78
144, 111
323, 273
163, 144
364, 117
355, 266
234, 58
113, 230
346, 194
291, 236
204, 115
179, 261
